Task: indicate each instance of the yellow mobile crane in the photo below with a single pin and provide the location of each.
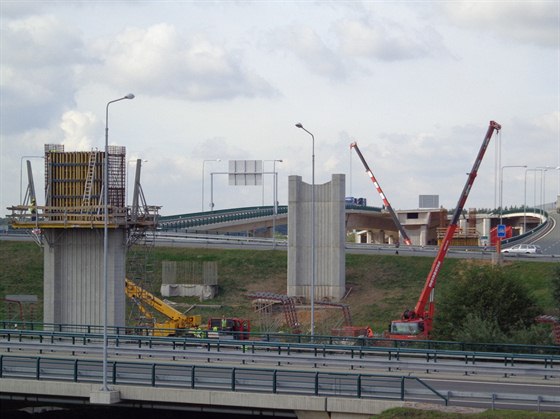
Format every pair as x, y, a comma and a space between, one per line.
177, 323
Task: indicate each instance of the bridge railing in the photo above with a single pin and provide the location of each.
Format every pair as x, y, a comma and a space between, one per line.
49, 331
277, 381
182, 221
543, 357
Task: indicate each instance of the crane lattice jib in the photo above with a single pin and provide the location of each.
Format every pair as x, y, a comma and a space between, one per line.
438, 261
405, 237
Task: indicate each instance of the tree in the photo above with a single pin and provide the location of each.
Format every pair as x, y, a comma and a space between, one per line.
484, 302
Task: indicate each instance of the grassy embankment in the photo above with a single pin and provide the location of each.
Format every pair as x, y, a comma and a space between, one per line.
379, 287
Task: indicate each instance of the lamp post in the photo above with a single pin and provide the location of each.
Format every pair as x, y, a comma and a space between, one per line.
203, 163
525, 199
106, 237
497, 164
275, 199
274, 176
544, 170
502, 185
312, 292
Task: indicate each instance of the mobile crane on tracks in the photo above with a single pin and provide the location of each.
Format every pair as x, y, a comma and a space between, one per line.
417, 323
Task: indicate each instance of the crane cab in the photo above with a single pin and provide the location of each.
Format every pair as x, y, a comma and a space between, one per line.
407, 329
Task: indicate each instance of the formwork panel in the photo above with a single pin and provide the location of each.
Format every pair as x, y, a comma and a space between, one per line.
75, 179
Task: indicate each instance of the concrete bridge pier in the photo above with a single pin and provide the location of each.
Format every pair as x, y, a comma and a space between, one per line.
74, 276
330, 238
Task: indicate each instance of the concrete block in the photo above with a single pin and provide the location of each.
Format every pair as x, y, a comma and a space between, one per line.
104, 397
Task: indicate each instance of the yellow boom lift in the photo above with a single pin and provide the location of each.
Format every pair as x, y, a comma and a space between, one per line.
176, 324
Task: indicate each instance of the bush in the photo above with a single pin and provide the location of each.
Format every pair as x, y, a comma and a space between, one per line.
484, 304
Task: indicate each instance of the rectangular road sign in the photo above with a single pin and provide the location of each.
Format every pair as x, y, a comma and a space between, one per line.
501, 231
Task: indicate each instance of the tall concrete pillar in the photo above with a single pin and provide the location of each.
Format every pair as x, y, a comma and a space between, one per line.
74, 276
330, 282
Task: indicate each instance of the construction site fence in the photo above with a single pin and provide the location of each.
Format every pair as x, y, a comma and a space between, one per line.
189, 272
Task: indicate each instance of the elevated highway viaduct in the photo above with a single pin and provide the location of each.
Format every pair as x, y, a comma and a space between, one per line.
370, 224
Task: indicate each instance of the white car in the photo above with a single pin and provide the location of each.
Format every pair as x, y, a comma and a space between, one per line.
527, 249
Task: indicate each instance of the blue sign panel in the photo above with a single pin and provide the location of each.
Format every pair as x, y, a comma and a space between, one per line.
501, 230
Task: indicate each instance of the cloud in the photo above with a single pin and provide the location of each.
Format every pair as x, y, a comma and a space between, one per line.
79, 130
306, 44
374, 41
534, 22
39, 55
549, 123
158, 60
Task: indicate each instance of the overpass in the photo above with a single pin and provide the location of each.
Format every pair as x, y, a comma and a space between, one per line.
371, 224
261, 221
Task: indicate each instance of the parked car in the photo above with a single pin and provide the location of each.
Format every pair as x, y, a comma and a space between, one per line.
524, 249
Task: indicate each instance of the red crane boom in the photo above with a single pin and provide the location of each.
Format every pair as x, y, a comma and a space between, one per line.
417, 323
405, 237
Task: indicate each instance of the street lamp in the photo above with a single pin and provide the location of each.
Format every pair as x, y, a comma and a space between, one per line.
106, 237
502, 185
312, 293
525, 198
203, 163
275, 198
544, 170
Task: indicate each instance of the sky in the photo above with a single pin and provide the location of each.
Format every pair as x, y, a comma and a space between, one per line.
413, 83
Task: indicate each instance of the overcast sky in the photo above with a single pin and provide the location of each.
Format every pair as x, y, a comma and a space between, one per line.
414, 83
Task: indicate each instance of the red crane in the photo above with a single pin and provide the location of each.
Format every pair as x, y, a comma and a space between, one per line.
405, 237
417, 323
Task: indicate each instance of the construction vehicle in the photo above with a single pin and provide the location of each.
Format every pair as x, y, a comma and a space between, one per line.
180, 324
386, 203
417, 323
228, 328
176, 323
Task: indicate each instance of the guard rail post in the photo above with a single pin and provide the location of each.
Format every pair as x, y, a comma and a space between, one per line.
114, 378
359, 389
75, 370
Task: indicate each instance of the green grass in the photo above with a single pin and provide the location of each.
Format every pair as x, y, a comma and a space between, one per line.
379, 287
